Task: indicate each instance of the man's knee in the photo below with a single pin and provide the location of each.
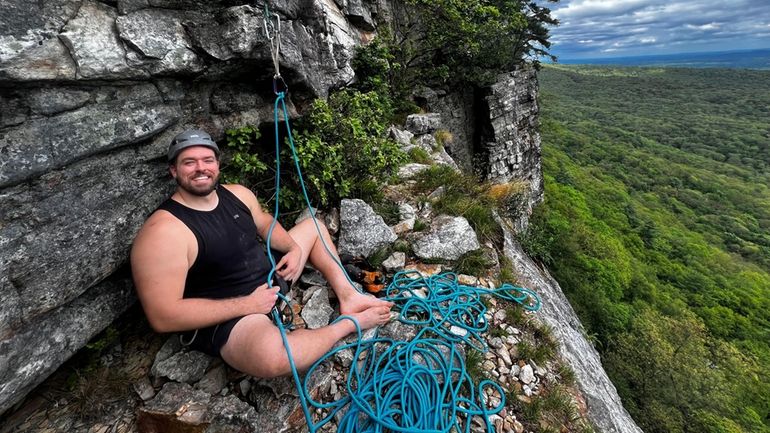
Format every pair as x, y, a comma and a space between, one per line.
277, 366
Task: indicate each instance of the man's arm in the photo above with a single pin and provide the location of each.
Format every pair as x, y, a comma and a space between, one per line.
281, 240
162, 253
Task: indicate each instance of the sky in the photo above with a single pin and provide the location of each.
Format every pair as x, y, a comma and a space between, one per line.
617, 28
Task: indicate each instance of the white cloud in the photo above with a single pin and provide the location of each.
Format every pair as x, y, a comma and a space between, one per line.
629, 27
709, 26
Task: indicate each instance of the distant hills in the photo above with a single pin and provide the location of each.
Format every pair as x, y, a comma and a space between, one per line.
746, 59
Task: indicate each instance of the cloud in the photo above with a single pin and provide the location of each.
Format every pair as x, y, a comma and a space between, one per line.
636, 27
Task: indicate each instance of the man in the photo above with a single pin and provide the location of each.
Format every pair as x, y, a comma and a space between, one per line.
199, 267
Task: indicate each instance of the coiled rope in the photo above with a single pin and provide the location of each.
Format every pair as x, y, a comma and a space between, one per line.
416, 386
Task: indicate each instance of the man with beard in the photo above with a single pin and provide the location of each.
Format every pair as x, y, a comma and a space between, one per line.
199, 267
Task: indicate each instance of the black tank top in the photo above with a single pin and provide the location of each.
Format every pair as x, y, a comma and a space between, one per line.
231, 261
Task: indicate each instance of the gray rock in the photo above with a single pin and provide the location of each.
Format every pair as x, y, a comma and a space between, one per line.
420, 124
449, 238
436, 194
305, 214
398, 331
395, 262
406, 211
12, 112
279, 408
49, 143
317, 311
171, 346
404, 138
313, 278
61, 233
244, 386
309, 292
49, 101
231, 414
27, 24
358, 14
362, 230
410, 170
427, 143
441, 157
29, 47
179, 407
214, 380
526, 375
459, 112
185, 367
91, 39
28, 355
144, 388
160, 40
234, 32
332, 220
403, 226
49, 61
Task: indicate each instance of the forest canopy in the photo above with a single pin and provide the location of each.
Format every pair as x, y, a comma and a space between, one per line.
656, 223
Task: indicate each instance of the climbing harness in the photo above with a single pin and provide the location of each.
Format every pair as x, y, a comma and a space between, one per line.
416, 386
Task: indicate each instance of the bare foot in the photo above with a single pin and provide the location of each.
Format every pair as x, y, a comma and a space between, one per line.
358, 302
371, 317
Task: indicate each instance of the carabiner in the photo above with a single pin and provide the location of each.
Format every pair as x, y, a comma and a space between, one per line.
279, 86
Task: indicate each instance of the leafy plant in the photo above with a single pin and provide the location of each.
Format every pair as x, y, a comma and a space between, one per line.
449, 41
244, 165
342, 148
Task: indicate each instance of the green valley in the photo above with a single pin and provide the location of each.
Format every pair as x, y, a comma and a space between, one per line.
657, 225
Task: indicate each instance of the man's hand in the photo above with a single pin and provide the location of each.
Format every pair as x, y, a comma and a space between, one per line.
288, 267
263, 299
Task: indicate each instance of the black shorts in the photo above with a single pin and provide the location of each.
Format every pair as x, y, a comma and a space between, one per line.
211, 339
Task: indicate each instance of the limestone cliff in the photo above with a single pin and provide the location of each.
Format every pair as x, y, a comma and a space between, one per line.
93, 91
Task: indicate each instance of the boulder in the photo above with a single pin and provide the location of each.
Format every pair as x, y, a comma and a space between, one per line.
362, 231
449, 238
179, 407
420, 124
93, 44
410, 170
317, 311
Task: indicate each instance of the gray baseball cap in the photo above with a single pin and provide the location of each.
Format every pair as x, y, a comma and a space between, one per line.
190, 138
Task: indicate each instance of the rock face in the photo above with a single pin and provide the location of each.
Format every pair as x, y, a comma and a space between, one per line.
513, 144
91, 94
605, 409
492, 131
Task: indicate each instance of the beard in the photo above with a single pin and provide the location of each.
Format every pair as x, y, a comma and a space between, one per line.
200, 190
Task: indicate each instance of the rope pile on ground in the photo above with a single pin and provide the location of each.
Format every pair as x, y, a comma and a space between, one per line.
422, 385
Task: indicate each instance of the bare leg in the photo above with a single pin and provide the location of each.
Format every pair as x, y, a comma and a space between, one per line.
255, 345
351, 301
